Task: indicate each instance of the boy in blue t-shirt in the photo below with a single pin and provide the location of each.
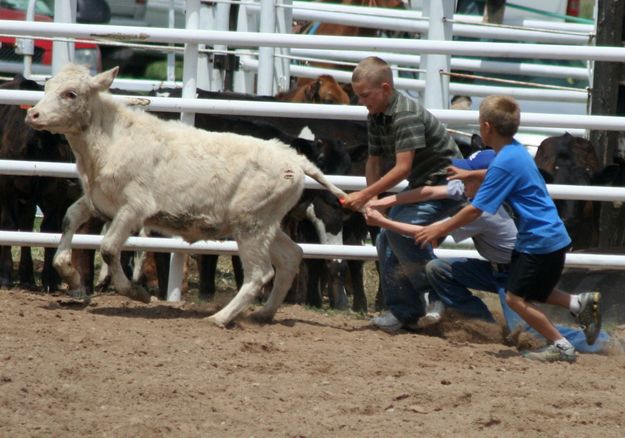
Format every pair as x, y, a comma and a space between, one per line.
542, 240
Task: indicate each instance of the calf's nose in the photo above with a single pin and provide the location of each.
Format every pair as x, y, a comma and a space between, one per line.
31, 115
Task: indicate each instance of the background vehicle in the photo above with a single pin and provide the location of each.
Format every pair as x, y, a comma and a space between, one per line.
11, 60
128, 12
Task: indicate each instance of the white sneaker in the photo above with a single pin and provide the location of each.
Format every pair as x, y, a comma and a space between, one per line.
433, 314
387, 322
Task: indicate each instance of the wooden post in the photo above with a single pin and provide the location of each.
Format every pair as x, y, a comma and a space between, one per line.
604, 101
607, 75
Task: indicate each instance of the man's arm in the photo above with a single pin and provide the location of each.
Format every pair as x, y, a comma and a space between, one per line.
432, 233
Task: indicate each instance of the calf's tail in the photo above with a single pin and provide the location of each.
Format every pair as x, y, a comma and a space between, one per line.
315, 173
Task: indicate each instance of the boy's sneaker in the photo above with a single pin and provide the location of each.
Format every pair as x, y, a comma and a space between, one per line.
589, 316
551, 353
387, 322
433, 314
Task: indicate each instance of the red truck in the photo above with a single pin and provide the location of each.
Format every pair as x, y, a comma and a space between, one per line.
12, 62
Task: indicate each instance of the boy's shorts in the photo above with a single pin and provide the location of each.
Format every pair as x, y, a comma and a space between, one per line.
533, 276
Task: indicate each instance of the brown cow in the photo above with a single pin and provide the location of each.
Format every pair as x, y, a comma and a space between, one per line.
324, 89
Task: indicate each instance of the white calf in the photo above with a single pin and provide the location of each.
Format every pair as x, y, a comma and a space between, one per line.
137, 170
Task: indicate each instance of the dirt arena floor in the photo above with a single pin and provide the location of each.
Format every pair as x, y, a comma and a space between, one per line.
118, 368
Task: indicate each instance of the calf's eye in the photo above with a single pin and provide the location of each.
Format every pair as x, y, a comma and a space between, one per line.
70, 94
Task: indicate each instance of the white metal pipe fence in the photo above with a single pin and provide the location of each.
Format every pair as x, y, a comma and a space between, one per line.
475, 65
267, 39
255, 39
352, 252
311, 110
557, 191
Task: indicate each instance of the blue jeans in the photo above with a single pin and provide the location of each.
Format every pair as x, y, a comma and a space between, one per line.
451, 279
402, 261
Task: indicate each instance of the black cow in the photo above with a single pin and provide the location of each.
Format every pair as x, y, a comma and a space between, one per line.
353, 134
572, 160
612, 214
19, 196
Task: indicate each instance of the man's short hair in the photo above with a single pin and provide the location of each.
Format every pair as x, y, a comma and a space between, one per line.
374, 70
503, 113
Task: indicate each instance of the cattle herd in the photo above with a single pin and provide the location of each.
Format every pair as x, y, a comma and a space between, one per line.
218, 188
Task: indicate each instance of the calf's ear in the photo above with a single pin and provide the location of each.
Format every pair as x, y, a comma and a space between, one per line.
103, 81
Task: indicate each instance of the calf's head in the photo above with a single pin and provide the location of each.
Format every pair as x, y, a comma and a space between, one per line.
66, 107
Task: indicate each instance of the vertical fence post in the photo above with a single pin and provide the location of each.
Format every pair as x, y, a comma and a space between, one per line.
265, 54
284, 23
247, 21
204, 70
189, 87
171, 56
437, 89
63, 52
222, 22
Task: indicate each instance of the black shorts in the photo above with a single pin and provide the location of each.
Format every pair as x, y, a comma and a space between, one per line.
533, 276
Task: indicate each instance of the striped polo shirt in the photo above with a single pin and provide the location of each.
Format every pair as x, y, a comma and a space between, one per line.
406, 125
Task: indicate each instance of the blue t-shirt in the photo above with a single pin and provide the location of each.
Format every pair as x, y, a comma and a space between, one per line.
513, 177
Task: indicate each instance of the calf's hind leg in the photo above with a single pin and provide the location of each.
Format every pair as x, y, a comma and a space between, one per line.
285, 257
257, 271
126, 221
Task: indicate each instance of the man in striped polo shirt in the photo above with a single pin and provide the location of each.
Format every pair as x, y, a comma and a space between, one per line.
404, 135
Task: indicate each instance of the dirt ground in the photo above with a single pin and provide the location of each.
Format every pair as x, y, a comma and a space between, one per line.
119, 368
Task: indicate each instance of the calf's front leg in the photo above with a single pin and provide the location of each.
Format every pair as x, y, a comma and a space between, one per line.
124, 223
77, 214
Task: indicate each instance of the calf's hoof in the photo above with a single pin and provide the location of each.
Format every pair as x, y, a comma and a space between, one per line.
138, 293
215, 320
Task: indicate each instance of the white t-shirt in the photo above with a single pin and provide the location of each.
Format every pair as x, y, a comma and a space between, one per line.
494, 235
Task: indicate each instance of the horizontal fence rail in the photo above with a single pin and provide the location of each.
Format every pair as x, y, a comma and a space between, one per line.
557, 191
312, 110
256, 39
456, 88
474, 65
311, 250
